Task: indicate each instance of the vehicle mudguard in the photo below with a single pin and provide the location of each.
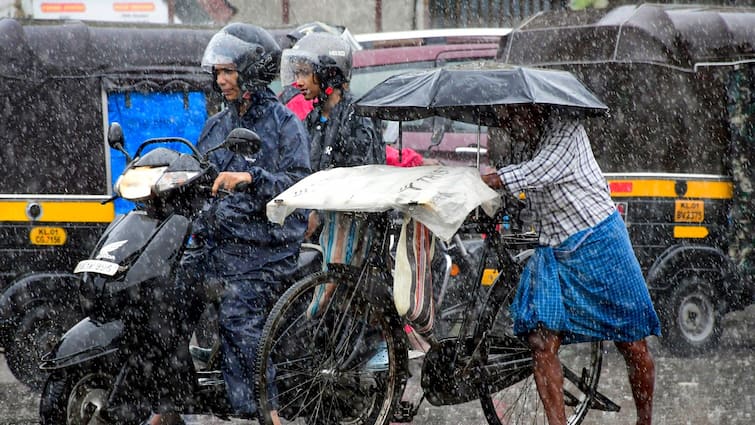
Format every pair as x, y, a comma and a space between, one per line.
159, 255
34, 289
87, 340
702, 260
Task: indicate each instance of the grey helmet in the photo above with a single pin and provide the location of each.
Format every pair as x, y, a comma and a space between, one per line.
251, 48
316, 26
328, 55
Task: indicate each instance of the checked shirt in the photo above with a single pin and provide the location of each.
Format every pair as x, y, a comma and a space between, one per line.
563, 182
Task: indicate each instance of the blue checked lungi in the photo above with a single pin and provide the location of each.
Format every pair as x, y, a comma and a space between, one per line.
589, 288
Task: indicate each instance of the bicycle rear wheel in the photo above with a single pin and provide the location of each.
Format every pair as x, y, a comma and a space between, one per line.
508, 394
341, 366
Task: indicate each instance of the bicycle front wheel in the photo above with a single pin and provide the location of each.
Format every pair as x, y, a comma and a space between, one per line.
328, 356
508, 394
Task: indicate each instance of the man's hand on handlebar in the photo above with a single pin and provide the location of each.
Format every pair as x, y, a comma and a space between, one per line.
230, 181
493, 180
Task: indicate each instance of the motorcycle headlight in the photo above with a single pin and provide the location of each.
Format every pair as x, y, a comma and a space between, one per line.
174, 179
136, 183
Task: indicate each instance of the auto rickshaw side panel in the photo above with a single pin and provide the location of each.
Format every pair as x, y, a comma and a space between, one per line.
61, 85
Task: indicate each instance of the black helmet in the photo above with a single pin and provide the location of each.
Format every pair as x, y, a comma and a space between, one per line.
251, 48
329, 56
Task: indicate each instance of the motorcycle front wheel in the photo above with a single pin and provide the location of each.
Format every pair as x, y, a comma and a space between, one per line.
77, 398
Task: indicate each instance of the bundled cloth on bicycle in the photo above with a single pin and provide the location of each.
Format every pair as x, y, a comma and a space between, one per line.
573, 289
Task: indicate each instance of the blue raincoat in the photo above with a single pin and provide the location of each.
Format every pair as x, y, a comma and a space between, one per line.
252, 256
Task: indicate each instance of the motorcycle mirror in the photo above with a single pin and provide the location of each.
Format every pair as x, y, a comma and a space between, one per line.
116, 140
242, 141
115, 136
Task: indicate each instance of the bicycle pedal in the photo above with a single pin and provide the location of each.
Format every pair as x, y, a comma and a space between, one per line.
404, 412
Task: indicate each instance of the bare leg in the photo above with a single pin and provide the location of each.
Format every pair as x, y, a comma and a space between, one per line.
549, 377
641, 370
274, 417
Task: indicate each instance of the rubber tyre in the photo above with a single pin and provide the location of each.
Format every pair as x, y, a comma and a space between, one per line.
510, 396
74, 399
37, 334
692, 321
320, 364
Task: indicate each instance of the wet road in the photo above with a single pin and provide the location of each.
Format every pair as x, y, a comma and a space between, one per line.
718, 388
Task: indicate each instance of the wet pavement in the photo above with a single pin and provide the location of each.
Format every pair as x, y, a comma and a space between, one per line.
715, 389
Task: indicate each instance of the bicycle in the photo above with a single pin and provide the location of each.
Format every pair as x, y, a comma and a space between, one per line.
323, 369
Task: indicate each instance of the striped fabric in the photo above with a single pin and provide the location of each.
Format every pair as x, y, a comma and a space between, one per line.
590, 288
412, 277
345, 239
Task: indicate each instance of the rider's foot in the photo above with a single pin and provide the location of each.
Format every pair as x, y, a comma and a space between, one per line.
379, 361
170, 418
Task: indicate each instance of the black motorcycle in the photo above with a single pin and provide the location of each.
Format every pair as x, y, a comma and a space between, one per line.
96, 368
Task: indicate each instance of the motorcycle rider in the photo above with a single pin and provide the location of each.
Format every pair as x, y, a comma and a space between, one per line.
290, 95
320, 66
251, 256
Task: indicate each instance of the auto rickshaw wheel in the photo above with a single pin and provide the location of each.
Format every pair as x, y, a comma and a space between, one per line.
40, 329
692, 320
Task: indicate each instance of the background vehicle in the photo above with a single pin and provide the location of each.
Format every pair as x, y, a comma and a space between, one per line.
62, 83
390, 53
676, 79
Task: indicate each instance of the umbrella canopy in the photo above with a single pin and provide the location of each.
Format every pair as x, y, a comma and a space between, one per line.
475, 93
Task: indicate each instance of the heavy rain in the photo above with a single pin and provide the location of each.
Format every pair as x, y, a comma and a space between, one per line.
176, 246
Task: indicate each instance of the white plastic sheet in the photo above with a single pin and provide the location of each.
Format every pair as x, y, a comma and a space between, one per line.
438, 197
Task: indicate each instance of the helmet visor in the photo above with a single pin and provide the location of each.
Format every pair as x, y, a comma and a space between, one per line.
225, 49
296, 63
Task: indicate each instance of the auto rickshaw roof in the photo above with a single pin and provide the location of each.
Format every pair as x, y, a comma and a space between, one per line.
674, 35
71, 47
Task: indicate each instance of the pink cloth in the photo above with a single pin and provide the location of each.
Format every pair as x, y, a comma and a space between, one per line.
300, 106
409, 157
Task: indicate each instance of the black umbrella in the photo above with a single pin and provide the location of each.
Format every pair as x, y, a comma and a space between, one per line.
475, 93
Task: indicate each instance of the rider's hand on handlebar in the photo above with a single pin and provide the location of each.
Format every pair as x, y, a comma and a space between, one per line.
493, 180
228, 180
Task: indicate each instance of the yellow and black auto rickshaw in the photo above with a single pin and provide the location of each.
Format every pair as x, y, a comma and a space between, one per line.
677, 148
61, 84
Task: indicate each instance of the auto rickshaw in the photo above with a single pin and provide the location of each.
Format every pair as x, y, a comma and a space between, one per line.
677, 148
61, 84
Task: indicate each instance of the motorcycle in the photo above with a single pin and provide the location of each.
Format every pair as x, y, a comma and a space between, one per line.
96, 369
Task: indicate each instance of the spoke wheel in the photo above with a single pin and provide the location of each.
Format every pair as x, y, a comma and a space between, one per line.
341, 365
509, 396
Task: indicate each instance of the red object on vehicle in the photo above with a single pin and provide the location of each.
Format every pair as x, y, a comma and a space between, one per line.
409, 157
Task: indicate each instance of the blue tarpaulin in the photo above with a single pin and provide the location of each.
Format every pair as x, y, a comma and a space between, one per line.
144, 116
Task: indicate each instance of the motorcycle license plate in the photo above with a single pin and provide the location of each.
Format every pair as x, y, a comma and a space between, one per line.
97, 266
47, 236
